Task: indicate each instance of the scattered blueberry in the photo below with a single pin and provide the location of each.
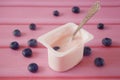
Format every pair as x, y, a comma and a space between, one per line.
107, 42
33, 67
56, 48
17, 33
87, 51
76, 9
14, 45
100, 26
56, 13
99, 61
32, 26
27, 52
32, 42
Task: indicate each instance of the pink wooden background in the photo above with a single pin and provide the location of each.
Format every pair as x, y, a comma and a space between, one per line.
18, 14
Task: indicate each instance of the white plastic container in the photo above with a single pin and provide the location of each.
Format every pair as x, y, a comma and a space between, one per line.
68, 58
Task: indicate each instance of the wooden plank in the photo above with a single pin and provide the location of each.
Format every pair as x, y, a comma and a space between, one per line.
13, 64
54, 3
111, 31
44, 15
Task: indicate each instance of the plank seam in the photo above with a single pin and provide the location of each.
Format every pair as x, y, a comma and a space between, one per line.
54, 23
52, 6
45, 47
77, 77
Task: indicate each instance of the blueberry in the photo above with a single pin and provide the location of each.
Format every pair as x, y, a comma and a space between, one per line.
99, 61
76, 9
32, 26
100, 26
56, 48
32, 42
87, 51
17, 33
33, 67
14, 45
56, 13
27, 52
107, 42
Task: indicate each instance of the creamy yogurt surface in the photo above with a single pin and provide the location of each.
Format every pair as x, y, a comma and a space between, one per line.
65, 42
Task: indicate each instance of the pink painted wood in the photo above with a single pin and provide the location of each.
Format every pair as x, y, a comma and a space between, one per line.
15, 64
42, 29
18, 14
60, 3
44, 15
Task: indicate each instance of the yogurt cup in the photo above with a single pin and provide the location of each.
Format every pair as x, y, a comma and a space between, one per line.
70, 52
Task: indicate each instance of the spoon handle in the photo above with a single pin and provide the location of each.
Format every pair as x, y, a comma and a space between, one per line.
90, 13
